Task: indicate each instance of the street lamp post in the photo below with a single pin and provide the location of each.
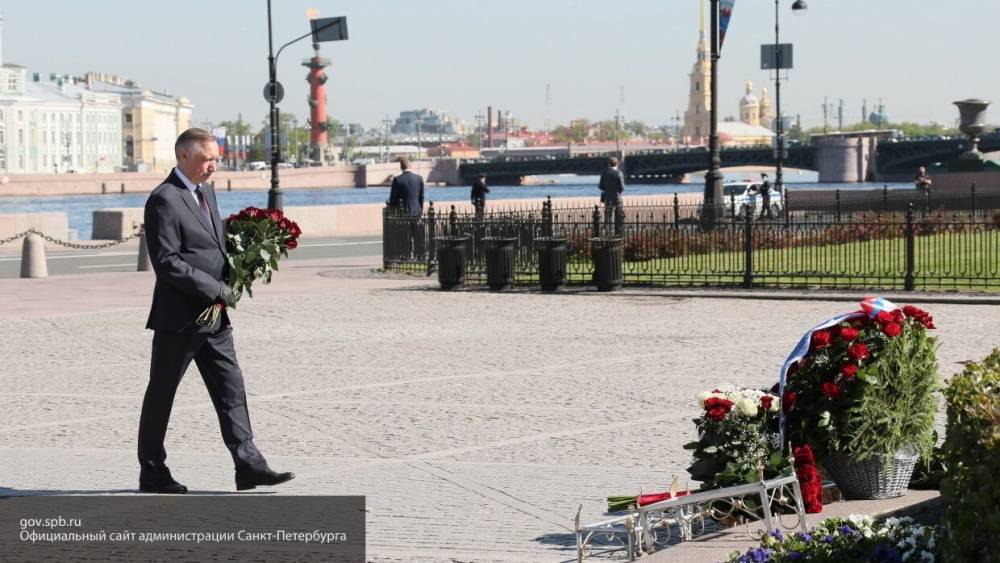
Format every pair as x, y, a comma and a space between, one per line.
779, 158
711, 204
323, 30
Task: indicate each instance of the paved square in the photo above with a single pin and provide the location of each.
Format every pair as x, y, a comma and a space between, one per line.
475, 423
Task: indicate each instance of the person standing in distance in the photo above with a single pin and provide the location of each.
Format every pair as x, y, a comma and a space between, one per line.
612, 185
407, 197
187, 247
923, 180
765, 196
478, 195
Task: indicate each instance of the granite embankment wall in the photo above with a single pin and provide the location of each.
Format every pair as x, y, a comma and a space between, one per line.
362, 220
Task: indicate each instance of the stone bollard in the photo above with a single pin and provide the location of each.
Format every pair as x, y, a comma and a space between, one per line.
144, 264
33, 257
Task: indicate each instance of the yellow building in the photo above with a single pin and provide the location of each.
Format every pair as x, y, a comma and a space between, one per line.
151, 122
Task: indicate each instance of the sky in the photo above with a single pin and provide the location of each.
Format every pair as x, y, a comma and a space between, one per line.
460, 56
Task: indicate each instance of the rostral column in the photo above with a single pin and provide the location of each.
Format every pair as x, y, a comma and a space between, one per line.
317, 105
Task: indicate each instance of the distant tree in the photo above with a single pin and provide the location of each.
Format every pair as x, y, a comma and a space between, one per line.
575, 133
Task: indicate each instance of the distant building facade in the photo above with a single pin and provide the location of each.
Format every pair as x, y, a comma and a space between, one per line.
56, 125
150, 122
428, 121
98, 123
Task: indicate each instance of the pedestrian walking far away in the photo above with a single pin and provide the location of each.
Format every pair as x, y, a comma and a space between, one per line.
478, 195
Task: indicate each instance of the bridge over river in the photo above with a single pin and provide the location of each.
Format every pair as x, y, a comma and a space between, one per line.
840, 158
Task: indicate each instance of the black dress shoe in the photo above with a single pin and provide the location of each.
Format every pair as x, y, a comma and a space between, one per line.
159, 481
250, 478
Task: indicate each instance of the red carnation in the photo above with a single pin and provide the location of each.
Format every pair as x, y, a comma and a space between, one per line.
765, 402
892, 330
858, 352
849, 371
820, 340
849, 334
831, 389
788, 400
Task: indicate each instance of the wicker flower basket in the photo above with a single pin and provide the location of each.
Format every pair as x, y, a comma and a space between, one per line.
874, 478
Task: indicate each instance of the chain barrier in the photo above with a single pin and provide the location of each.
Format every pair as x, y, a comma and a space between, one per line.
67, 244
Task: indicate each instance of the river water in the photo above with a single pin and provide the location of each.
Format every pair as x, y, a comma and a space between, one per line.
80, 208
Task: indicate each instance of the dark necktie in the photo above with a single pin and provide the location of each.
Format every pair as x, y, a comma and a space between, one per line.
203, 204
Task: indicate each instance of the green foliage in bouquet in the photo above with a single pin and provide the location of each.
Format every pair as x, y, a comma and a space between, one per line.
897, 406
737, 436
972, 449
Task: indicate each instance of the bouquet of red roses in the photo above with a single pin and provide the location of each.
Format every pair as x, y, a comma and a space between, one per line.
860, 385
255, 240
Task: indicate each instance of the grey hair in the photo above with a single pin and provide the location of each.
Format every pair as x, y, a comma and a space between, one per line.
193, 136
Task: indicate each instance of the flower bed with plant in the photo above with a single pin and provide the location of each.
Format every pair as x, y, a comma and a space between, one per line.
843, 540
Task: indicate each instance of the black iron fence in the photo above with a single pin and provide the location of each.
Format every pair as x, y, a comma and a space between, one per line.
926, 248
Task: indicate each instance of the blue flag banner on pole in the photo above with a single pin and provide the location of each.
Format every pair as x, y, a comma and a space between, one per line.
725, 12
870, 307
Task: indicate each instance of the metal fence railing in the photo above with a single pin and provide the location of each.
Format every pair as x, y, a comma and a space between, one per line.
667, 244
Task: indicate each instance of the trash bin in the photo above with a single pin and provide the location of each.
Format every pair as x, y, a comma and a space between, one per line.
607, 255
500, 262
553, 254
451, 260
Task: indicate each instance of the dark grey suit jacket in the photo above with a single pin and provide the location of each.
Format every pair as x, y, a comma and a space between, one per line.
407, 193
612, 185
188, 255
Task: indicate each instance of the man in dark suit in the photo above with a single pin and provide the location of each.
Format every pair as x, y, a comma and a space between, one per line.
612, 185
185, 238
407, 198
478, 195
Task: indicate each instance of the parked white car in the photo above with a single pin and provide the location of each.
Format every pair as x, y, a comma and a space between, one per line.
746, 195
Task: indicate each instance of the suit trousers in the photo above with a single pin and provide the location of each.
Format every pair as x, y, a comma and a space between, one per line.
215, 356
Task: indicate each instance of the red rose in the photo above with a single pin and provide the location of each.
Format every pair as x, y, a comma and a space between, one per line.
788, 400
292, 244
849, 371
849, 334
858, 351
820, 340
883, 317
275, 215
718, 402
831, 389
717, 414
765, 402
892, 330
